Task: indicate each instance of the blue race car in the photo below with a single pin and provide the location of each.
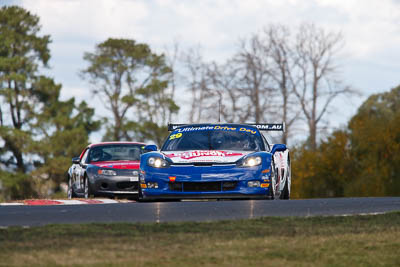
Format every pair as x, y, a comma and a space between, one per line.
216, 161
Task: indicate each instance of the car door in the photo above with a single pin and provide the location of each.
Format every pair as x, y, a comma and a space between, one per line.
80, 172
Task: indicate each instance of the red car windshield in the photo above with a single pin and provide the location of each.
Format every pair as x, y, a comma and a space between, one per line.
116, 152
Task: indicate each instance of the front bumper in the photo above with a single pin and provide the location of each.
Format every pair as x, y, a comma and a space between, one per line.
188, 182
115, 185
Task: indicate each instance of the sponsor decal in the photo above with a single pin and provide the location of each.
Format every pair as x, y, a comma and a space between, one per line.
175, 136
270, 127
119, 165
191, 129
211, 128
247, 130
260, 126
203, 153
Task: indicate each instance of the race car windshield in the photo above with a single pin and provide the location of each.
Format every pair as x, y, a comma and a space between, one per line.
118, 152
213, 140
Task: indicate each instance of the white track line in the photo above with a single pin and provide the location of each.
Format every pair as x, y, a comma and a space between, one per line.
69, 202
108, 201
11, 204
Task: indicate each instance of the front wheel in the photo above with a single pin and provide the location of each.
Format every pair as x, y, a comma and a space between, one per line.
286, 189
87, 192
140, 196
285, 193
70, 192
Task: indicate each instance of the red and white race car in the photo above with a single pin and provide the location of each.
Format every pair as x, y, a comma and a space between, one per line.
109, 168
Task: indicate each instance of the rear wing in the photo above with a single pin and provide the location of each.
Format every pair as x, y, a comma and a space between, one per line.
269, 126
173, 126
260, 126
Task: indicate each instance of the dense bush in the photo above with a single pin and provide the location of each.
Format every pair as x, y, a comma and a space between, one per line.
16, 186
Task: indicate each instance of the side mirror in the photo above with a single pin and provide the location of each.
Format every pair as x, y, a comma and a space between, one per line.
150, 148
278, 147
76, 160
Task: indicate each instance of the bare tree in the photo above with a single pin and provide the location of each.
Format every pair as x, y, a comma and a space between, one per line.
274, 75
172, 60
315, 74
242, 89
254, 80
281, 61
231, 105
236, 91
198, 83
215, 95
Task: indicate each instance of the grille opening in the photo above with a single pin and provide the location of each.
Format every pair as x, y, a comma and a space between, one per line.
202, 186
226, 186
104, 185
127, 185
175, 186
203, 164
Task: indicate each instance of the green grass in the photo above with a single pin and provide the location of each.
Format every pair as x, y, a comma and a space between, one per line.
313, 241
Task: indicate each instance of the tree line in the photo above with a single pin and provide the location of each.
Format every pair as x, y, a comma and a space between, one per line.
278, 74
360, 160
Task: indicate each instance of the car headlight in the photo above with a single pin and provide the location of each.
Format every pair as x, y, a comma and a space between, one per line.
157, 162
253, 183
107, 172
251, 161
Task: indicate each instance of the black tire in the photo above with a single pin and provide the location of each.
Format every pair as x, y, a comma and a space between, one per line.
286, 192
87, 191
70, 191
139, 197
271, 194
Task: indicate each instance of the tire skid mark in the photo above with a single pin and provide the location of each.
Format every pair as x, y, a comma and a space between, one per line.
93, 201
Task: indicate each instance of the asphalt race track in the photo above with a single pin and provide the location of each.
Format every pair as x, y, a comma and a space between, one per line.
191, 210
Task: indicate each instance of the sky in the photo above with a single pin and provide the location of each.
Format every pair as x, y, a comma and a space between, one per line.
369, 60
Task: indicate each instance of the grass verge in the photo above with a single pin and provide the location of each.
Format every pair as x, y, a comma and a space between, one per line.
289, 241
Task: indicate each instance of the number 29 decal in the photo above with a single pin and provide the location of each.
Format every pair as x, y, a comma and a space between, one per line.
175, 136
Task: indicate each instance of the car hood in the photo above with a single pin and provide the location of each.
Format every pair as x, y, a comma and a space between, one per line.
193, 156
129, 165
